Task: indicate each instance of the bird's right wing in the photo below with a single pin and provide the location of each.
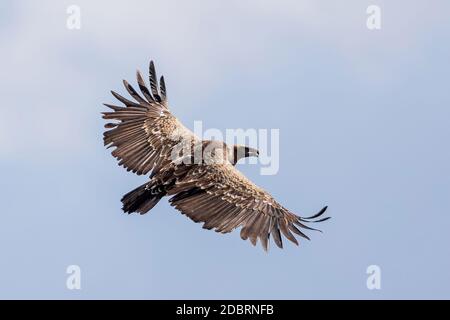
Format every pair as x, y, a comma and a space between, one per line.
224, 199
144, 132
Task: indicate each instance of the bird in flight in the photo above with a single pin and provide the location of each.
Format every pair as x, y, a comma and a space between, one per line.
199, 175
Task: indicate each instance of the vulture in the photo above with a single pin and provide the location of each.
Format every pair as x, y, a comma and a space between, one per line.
199, 176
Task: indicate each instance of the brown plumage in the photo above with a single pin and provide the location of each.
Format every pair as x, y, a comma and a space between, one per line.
149, 139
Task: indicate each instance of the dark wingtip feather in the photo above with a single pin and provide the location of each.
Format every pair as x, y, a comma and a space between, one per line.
143, 87
125, 101
318, 214
321, 220
301, 225
113, 107
275, 231
127, 85
298, 232
154, 82
284, 230
162, 85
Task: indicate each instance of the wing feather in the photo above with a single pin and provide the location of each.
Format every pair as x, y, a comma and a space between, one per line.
144, 132
144, 88
154, 82
162, 86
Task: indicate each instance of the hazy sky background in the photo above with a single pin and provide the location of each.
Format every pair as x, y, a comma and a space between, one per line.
364, 119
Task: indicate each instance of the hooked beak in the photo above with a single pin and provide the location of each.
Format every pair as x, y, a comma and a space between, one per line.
251, 152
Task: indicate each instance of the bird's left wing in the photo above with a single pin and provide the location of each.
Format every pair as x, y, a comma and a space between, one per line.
224, 199
144, 132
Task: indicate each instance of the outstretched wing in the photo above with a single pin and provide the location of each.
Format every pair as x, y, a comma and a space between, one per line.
224, 199
144, 131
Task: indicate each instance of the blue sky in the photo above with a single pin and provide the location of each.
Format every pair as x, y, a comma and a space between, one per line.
364, 128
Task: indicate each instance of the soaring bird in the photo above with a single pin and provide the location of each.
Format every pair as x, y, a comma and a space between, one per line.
203, 182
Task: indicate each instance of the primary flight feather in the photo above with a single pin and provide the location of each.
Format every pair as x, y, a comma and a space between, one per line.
148, 139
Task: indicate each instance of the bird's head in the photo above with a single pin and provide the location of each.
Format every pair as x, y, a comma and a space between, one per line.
241, 151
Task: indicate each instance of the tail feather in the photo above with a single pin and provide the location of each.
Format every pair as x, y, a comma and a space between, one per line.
143, 198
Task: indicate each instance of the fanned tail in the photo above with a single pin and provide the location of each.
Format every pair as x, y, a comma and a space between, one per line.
143, 198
